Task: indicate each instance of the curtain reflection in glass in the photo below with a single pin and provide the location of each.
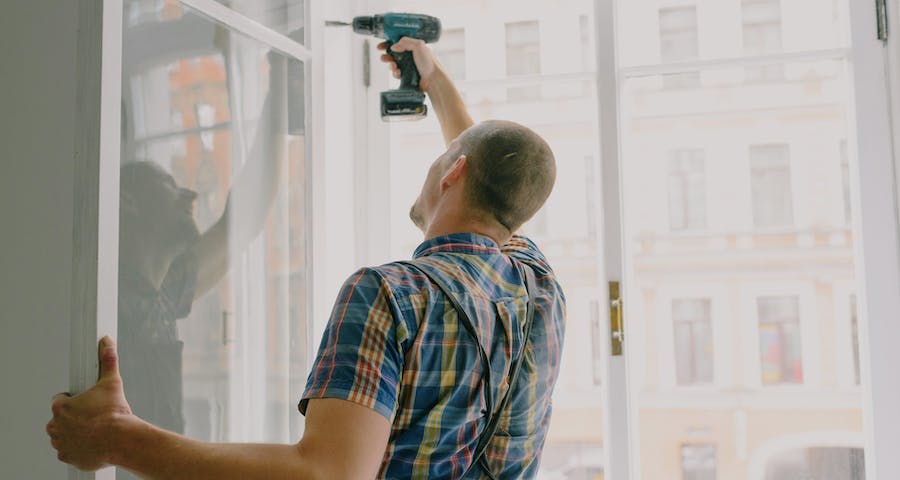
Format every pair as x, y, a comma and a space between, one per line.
213, 156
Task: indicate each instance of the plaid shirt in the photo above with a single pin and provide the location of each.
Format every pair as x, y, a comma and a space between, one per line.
394, 344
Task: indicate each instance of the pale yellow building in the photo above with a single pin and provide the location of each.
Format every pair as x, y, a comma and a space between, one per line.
740, 317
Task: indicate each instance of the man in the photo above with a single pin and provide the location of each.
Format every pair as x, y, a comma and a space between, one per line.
396, 390
165, 263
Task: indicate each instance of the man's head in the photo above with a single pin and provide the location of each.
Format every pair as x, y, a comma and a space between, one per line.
154, 210
505, 172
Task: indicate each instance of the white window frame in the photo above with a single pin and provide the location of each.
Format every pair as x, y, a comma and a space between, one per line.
95, 268
876, 225
878, 169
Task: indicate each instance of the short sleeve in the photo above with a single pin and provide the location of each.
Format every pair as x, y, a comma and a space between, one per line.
359, 359
180, 284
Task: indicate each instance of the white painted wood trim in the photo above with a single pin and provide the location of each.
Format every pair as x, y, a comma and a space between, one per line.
893, 53
877, 228
251, 28
95, 234
619, 463
314, 69
373, 164
692, 66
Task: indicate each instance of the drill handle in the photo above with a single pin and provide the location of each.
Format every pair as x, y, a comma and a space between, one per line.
409, 74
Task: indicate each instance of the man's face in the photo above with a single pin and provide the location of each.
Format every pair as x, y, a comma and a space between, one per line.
424, 206
165, 207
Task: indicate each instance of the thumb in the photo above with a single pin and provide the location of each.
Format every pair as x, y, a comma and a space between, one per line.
109, 359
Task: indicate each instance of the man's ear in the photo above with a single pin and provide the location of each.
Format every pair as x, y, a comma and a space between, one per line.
456, 172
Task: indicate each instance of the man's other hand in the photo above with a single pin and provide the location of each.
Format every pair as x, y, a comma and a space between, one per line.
81, 425
426, 62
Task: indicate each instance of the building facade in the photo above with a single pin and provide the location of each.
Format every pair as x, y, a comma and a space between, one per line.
740, 319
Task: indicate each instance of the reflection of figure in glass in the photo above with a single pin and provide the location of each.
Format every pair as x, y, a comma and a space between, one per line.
166, 263
399, 388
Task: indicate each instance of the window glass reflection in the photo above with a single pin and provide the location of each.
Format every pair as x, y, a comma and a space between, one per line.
213, 238
284, 16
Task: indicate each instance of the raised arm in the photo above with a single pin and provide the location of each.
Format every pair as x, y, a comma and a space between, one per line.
445, 98
254, 189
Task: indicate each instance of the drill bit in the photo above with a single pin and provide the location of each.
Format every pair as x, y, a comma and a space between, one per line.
335, 23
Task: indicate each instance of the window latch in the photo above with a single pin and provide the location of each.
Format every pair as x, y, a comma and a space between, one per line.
616, 320
881, 11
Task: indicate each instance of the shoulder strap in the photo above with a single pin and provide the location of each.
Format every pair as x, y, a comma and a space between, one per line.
493, 417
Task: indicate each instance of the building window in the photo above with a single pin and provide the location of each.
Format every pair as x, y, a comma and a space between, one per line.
762, 36
854, 332
845, 180
452, 52
679, 42
779, 340
687, 190
596, 343
770, 178
698, 462
844, 463
693, 341
523, 57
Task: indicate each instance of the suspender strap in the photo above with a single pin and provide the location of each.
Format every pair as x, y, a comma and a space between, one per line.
493, 416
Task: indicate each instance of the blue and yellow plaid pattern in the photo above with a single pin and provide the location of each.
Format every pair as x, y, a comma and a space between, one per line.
394, 344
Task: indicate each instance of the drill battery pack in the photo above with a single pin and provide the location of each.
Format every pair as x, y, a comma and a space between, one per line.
403, 105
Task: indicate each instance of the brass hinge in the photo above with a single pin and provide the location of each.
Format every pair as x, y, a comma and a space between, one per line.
616, 320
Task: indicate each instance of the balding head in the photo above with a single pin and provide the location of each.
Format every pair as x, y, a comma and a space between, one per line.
511, 171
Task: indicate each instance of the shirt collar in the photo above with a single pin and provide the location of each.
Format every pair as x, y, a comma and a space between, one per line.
457, 243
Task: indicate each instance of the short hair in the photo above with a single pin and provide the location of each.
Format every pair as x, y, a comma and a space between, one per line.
135, 174
511, 171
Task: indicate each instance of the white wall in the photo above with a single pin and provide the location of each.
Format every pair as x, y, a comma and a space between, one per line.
37, 111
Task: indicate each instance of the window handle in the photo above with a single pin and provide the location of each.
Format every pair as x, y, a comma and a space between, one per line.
616, 319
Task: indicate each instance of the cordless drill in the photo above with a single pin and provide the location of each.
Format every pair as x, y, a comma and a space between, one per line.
408, 101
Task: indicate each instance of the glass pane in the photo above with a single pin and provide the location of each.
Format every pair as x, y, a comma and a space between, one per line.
284, 16
765, 270
563, 111
213, 238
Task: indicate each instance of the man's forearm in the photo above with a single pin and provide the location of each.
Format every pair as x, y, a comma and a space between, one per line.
153, 453
448, 105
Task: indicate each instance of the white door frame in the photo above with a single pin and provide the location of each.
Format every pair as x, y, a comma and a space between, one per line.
877, 228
